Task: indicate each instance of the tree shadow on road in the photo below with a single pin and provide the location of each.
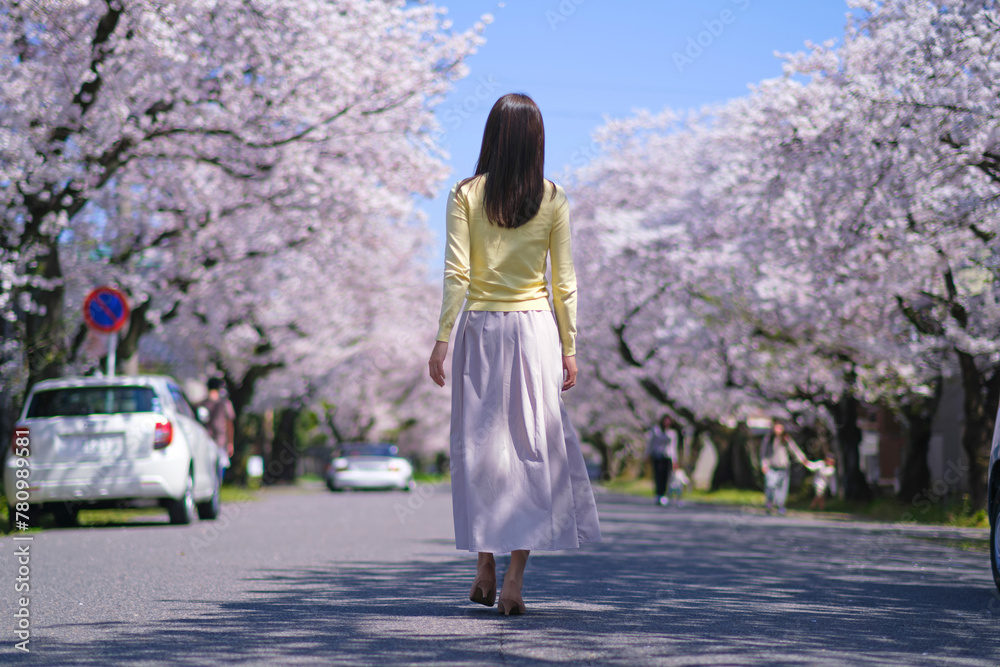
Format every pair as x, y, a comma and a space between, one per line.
698, 586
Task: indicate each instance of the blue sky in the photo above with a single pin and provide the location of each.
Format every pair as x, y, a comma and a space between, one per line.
584, 60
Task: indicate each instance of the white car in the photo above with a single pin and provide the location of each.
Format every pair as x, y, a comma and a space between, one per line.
95, 441
369, 466
993, 501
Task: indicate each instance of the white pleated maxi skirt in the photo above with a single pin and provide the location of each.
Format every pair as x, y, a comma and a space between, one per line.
518, 476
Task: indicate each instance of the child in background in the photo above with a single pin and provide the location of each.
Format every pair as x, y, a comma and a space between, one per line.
678, 482
824, 477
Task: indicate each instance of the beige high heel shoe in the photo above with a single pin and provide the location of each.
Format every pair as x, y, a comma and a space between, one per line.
484, 592
511, 607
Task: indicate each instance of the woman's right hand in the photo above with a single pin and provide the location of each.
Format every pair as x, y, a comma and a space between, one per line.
569, 372
436, 362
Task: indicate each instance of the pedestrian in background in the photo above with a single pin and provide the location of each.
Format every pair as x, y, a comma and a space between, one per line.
679, 482
519, 481
776, 454
221, 422
824, 477
662, 448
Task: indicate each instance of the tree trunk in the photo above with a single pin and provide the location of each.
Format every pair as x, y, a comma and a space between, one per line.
723, 475
735, 468
845, 414
127, 352
280, 469
12, 397
241, 390
979, 408
597, 441
916, 474
44, 345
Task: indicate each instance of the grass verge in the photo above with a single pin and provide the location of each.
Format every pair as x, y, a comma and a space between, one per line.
965, 544
956, 513
431, 478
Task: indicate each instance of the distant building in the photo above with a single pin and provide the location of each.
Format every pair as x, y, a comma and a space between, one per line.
885, 440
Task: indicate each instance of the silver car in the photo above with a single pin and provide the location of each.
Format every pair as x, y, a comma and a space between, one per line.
95, 442
369, 466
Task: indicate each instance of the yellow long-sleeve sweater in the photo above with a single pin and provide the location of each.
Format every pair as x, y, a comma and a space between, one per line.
501, 269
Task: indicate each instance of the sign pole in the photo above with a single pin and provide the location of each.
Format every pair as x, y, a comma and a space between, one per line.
106, 310
112, 353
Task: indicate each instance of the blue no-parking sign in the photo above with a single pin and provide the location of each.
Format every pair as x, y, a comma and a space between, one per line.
105, 309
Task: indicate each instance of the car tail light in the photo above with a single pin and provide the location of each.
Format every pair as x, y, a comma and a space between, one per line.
394, 467
163, 434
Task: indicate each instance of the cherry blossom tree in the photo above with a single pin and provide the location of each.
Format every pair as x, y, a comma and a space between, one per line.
196, 152
824, 240
916, 117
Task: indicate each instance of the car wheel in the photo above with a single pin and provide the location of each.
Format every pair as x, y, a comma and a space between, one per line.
209, 509
182, 510
66, 515
995, 538
330, 485
410, 485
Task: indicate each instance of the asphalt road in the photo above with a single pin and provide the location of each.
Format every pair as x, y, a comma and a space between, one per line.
311, 577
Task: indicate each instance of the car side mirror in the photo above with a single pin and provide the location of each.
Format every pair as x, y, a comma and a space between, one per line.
203, 414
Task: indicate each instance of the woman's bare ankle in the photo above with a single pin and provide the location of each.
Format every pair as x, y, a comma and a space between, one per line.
486, 566
511, 589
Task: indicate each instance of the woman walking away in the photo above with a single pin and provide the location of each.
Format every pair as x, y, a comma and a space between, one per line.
519, 481
662, 449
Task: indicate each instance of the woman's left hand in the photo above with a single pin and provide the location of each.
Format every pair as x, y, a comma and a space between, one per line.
436, 363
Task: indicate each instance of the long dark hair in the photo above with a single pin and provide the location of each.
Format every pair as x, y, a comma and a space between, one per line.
513, 154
